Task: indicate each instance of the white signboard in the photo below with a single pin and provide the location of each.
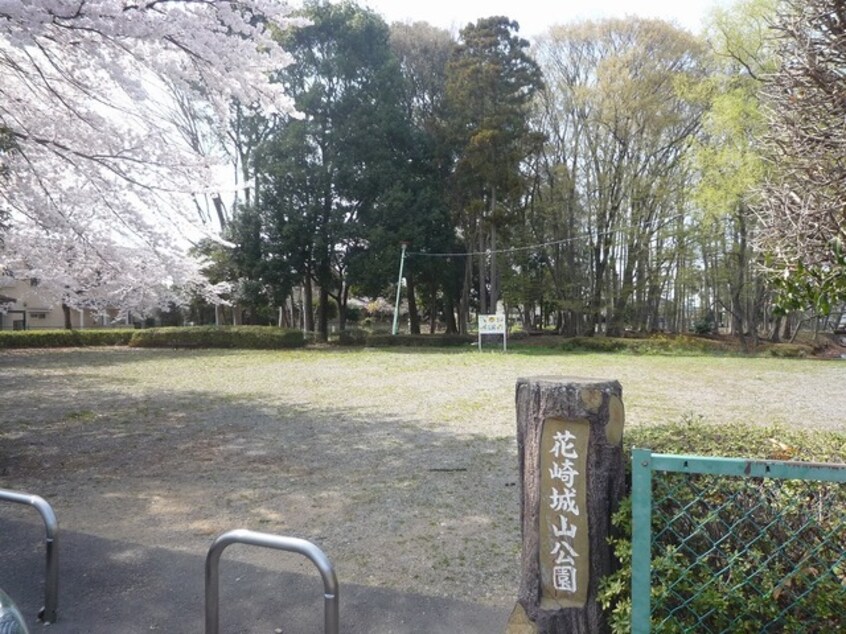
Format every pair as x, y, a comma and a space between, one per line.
493, 325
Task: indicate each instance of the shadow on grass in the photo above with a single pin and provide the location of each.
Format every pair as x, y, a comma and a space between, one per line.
427, 513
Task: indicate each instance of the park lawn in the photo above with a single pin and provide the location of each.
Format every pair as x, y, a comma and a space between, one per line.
400, 464
466, 391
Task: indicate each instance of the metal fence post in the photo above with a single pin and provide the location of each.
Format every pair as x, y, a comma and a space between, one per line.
641, 539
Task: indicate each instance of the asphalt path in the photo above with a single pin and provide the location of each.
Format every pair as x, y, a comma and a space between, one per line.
115, 587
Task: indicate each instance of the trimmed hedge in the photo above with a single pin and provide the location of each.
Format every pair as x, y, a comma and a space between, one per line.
694, 436
65, 338
659, 344
419, 341
678, 344
247, 337
352, 337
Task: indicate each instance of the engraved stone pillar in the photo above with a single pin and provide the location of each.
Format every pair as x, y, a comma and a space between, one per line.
569, 436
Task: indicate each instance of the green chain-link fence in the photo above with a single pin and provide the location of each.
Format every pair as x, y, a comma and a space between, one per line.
729, 545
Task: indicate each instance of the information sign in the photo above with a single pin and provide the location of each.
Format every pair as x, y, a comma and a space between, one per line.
493, 325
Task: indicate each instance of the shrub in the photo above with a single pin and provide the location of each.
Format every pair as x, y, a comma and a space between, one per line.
64, 338
594, 344
354, 314
704, 326
420, 341
246, 337
789, 350
352, 337
694, 436
656, 344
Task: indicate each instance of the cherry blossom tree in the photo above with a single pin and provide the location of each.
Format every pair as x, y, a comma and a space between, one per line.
97, 184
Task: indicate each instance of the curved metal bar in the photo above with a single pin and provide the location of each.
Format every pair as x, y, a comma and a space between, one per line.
277, 542
49, 613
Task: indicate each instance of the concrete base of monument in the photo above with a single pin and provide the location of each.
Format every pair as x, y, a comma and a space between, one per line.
519, 623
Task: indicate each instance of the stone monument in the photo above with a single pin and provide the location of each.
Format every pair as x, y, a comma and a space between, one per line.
572, 478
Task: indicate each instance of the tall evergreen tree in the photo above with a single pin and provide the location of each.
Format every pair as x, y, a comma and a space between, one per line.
324, 171
490, 83
415, 208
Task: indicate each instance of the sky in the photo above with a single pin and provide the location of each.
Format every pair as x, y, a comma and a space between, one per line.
536, 16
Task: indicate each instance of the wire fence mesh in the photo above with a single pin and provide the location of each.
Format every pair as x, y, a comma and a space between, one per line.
737, 552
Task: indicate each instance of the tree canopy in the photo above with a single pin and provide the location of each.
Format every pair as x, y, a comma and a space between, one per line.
97, 183
615, 175
803, 205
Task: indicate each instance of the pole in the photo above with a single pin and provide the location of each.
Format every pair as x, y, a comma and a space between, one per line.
331, 618
572, 479
395, 329
49, 613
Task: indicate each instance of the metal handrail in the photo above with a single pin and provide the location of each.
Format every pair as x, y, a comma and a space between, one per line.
49, 613
277, 542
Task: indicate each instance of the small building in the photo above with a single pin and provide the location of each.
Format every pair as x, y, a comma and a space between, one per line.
23, 308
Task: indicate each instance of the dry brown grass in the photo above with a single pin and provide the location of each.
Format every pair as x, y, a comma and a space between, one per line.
400, 464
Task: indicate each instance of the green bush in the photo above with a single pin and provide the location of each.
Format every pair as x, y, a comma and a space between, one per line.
789, 350
354, 314
715, 588
656, 344
419, 341
352, 337
246, 337
704, 326
594, 344
64, 338
680, 345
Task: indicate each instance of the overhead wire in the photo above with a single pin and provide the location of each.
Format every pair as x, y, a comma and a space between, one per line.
533, 247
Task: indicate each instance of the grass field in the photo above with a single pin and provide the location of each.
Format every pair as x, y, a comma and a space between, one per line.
405, 453
463, 392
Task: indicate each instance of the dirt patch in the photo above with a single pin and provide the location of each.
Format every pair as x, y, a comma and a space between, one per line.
401, 465
393, 505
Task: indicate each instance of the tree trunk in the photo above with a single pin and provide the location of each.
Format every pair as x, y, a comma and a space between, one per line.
449, 315
464, 306
342, 299
483, 290
413, 315
66, 311
776, 334
617, 322
600, 264
323, 314
308, 300
433, 308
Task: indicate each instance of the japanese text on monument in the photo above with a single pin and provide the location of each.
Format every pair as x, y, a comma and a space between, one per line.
565, 556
